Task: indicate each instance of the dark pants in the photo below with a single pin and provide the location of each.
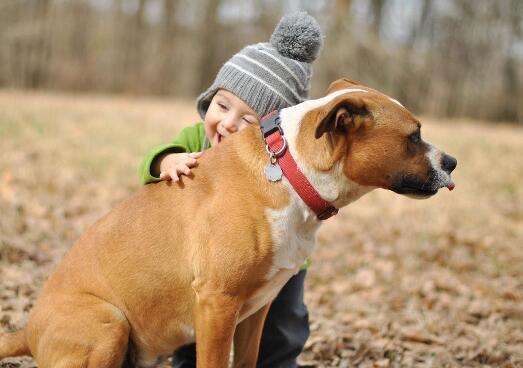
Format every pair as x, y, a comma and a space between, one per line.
284, 334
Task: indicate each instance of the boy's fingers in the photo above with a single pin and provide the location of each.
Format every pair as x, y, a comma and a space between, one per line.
195, 154
164, 175
173, 174
191, 162
183, 169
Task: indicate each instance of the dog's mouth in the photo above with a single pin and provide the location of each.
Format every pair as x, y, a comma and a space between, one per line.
416, 187
415, 192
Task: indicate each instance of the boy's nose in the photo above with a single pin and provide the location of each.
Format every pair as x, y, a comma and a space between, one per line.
230, 124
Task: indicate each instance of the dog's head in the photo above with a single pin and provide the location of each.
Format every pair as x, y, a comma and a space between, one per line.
380, 141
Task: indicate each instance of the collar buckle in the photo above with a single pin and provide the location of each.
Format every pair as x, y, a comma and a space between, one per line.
270, 123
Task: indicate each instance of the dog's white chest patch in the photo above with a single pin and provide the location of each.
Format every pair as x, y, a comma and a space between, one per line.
293, 230
266, 294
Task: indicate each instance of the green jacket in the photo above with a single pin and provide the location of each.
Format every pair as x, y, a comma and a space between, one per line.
190, 139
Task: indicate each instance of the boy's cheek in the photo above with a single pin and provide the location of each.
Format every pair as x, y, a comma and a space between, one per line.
209, 131
242, 127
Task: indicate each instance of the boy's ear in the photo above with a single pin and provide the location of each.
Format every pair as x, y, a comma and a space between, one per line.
342, 84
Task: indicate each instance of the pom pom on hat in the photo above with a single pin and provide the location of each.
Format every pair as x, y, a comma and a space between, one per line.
298, 36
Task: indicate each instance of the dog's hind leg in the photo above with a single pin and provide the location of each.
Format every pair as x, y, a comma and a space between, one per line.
110, 353
93, 335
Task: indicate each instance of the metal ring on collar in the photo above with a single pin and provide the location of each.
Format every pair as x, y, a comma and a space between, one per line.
278, 153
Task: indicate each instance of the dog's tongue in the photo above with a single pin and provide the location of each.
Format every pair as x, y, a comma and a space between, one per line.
451, 186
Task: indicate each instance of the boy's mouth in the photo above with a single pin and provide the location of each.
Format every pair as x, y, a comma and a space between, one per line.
217, 138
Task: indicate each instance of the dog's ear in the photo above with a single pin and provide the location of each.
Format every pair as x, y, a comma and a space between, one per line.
342, 116
336, 121
341, 84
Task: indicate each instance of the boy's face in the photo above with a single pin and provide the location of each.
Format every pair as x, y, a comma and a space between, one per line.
227, 114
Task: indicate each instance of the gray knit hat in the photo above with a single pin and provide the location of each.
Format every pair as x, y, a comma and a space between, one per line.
271, 75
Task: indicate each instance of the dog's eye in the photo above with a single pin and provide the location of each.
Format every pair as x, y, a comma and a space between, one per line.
415, 137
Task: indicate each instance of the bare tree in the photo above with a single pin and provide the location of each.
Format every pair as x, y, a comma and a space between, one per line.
208, 36
413, 76
165, 63
376, 13
512, 80
133, 37
37, 69
335, 60
78, 38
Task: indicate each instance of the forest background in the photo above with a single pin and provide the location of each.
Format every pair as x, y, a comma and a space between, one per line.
447, 58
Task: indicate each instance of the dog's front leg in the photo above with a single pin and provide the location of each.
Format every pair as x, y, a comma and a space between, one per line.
215, 316
247, 339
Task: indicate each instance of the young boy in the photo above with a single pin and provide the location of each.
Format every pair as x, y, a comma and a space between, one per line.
255, 81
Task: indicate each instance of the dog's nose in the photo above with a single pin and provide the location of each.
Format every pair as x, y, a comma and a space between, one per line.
448, 163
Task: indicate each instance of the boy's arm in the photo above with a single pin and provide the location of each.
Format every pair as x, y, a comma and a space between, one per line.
190, 139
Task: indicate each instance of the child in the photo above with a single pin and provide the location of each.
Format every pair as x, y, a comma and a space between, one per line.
255, 81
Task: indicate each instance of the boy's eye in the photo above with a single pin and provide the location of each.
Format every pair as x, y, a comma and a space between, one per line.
222, 106
248, 121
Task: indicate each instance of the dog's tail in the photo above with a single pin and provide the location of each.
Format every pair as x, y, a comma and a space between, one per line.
13, 344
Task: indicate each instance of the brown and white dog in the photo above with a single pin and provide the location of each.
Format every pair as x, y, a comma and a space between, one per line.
202, 260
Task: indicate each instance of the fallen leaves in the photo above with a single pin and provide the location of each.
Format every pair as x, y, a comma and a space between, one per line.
393, 282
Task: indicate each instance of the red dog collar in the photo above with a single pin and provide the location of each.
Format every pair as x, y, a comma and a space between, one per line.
276, 144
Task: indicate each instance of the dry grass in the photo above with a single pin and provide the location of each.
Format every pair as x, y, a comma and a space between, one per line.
394, 282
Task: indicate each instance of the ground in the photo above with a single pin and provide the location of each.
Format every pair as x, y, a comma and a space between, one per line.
394, 282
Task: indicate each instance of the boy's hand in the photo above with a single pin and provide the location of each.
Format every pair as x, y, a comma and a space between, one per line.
174, 165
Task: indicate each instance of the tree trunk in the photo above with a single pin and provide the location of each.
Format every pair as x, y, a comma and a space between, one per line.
208, 36
377, 17
166, 54
36, 76
133, 46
